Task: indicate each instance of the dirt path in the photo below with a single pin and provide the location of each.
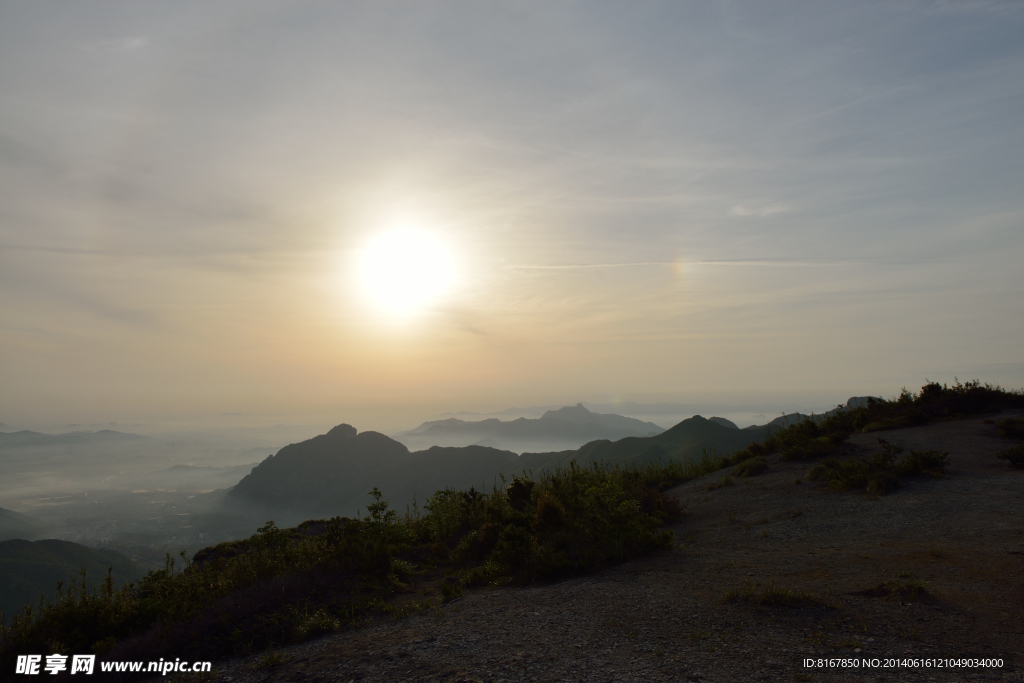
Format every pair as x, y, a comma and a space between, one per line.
662, 618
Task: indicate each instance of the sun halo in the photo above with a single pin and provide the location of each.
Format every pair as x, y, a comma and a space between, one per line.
402, 273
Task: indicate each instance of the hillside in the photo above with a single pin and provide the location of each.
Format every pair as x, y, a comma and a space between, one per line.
29, 569
687, 440
331, 474
769, 570
17, 525
892, 529
327, 470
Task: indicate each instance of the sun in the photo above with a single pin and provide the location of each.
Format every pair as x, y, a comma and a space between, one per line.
403, 272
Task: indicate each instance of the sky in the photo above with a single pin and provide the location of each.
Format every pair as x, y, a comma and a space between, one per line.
598, 201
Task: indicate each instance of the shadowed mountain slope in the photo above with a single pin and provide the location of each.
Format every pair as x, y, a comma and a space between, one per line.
323, 473
331, 474
688, 439
764, 569
16, 525
29, 569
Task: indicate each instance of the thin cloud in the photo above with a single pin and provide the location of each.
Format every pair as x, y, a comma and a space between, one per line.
574, 266
812, 263
999, 7
761, 211
120, 44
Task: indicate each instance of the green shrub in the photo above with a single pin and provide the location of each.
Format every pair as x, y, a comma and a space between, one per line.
722, 483
932, 463
283, 585
750, 467
308, 625
808, 448
451, 589
1014, 455
822, 437
1011, 428
904, 587
771, 596
880, 473
269, 661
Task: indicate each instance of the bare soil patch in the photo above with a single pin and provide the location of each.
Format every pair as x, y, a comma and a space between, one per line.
934, 569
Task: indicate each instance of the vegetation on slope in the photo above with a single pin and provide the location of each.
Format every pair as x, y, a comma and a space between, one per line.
30, 569
1012, 429
284, 585
281, 586
881, 473
814, 439
16, 525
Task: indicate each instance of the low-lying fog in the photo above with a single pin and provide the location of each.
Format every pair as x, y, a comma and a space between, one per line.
134, 487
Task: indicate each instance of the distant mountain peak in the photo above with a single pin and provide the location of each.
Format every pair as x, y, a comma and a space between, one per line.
572, 413
724, 422
342, 431
565, 427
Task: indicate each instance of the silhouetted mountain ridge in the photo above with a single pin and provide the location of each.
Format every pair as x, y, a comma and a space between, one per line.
569, 425
29, 439
688, 439
331, 474
16, 525
331, 467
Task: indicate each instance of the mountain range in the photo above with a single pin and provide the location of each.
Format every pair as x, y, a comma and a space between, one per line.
331, 474
16, 525
564, 428
30, 439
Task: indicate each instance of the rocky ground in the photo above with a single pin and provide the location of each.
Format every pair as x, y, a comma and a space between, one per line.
819, 558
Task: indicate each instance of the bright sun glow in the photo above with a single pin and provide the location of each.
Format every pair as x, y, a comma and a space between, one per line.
403, 272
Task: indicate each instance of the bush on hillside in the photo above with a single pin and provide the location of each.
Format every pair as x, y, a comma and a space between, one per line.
281, 585
1011, 428
821, 437
881, 473
1014, 455
934, 402
750, 467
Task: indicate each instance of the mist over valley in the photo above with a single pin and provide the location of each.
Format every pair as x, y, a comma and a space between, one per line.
511, 341
145, 495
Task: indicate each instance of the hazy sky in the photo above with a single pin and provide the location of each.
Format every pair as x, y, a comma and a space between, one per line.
639, 200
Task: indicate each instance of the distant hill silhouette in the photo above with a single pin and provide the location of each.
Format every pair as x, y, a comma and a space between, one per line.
570, 426
321, 474
30, 439
331, 474
17, 525
29, 569
688, 439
